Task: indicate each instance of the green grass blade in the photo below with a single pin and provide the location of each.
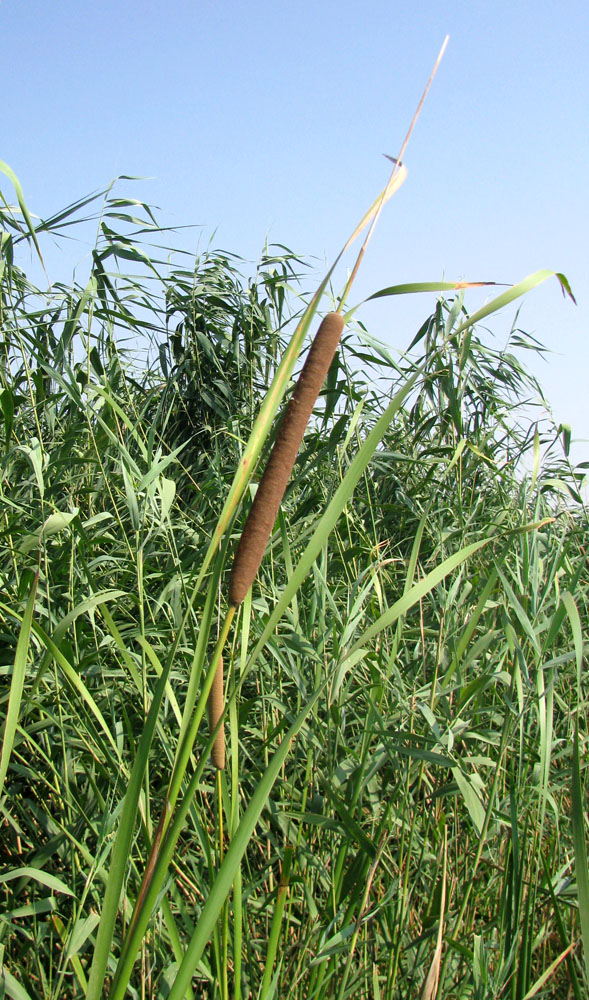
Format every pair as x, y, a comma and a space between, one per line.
17, 682
22, 205
416, 287
515, 292
543, 979
88, 605
520, 614
43, 878
78, 685
13, 988
419, 590
276, 923
575, 621
225, 876
580, 847
564, 938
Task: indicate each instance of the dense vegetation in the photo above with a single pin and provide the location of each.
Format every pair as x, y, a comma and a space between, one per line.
403, 806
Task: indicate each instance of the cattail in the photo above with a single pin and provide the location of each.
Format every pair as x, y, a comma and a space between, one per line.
215, 713
264, 509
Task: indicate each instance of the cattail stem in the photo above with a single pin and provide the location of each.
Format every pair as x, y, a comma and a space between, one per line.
185, 749
264, 509
223, 984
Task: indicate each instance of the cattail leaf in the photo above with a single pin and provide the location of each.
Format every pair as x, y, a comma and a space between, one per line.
398, 177
419, 287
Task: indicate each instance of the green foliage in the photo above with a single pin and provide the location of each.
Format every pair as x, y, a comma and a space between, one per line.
407, 706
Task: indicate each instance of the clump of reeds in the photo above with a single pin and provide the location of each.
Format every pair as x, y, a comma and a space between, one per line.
522, 608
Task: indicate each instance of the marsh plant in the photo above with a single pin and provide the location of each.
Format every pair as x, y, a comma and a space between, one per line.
395, 804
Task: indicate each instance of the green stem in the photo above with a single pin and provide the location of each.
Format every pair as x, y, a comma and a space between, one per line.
223, 985
277, 922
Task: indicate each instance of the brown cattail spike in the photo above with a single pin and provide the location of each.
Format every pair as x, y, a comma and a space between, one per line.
264, 509
215, 713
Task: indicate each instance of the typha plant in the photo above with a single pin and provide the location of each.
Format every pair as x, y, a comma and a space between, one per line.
262, 514
412, 698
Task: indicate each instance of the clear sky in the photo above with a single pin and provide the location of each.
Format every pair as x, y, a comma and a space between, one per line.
269, 120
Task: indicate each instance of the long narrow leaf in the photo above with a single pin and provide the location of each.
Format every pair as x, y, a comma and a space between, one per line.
17, 682
22, 205
43, 878
580, 847
515, 292
419, 590
416, 287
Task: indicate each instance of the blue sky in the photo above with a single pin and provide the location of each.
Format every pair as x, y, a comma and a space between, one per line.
269, 121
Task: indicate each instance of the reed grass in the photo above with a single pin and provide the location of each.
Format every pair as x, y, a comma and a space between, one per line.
402, 809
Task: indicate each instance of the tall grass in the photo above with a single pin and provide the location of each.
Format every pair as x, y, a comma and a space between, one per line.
403, 806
